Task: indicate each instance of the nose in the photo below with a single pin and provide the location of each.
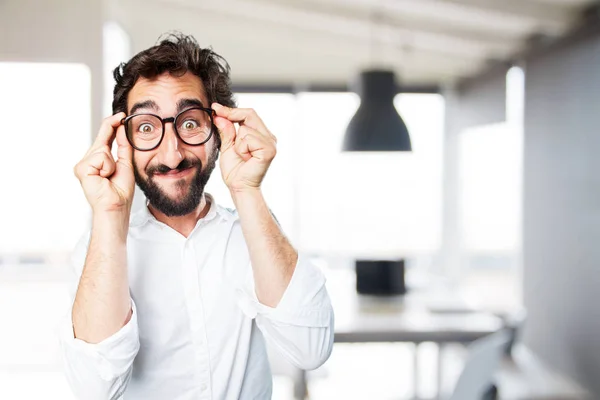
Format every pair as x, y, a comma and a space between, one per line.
169, 151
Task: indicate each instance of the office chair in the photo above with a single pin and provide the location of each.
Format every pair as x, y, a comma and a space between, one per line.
476, 381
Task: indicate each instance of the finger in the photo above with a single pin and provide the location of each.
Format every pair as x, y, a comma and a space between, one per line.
256, 146
107, 129
124, 176
242, 149
246, 130
92, 158
100, 149
100, 164
245, 116
227, 132
124, 149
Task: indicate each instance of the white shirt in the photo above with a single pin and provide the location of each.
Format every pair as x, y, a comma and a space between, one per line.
197, 330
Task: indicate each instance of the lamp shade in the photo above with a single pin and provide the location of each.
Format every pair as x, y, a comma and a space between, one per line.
376, 126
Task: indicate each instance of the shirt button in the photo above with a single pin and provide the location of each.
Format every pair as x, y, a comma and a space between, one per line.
203, 387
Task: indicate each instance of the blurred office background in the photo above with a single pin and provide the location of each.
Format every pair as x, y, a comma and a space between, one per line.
495, 211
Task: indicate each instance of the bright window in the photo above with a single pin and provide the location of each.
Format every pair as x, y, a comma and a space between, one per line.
334, 203
491, 169
369, 204
47, 129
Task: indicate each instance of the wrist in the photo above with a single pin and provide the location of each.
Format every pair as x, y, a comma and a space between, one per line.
112, 223
241, 194
123, 208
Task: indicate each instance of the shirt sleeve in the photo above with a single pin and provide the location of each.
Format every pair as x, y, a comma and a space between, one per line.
101, 370
301, 326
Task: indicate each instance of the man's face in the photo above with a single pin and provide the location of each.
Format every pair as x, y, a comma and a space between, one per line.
173, 175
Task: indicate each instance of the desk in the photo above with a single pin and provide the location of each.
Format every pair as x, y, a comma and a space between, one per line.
416, 327
431, 313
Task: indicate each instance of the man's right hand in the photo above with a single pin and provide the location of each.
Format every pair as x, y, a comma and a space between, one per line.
108, 185
102, 304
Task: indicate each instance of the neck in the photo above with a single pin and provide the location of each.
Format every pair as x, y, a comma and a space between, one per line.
184, 224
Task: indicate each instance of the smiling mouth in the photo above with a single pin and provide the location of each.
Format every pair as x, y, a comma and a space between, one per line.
175, 173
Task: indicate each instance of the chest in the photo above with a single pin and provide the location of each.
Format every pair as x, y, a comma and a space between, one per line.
186, 289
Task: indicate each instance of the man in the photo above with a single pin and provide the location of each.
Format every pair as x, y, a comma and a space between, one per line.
177, 301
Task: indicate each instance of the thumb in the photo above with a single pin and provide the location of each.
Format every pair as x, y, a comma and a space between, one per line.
124, 149
123, 177
227, 132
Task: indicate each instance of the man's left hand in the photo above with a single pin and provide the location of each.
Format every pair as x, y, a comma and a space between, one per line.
246, 153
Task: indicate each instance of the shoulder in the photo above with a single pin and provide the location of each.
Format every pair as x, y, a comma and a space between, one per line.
231, 213
227, 212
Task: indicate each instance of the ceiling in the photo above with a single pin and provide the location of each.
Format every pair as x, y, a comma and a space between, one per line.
326, 42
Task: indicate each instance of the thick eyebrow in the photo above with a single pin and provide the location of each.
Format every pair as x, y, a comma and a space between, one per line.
187, 103
144, 104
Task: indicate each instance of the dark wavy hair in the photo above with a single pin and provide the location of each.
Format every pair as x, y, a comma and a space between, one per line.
176, 54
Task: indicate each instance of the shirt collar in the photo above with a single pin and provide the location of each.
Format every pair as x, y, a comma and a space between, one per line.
144, 215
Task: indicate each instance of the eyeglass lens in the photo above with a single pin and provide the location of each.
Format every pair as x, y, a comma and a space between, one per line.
193, 126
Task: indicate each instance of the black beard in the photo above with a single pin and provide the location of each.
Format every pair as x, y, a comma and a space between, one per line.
183, 206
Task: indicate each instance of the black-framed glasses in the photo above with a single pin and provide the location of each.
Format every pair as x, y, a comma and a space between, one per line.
194, 126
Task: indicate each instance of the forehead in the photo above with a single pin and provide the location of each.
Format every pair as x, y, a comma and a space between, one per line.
166, 89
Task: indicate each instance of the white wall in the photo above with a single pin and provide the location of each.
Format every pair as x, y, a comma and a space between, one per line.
43, 209
562, 209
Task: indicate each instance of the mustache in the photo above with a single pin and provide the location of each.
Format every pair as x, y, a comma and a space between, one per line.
163, 169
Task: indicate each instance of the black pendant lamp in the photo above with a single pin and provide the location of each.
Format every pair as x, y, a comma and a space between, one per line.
376, 126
